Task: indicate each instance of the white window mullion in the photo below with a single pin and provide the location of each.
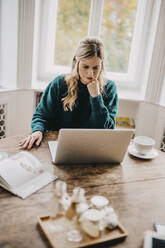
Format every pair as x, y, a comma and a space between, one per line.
51, 29
47, 19
157, 68
8, 43
25, 43
95, 17
141, 24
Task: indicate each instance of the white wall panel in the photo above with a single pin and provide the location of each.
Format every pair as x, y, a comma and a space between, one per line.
151, 121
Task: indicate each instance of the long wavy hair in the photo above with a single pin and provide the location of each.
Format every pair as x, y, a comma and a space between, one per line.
88, 47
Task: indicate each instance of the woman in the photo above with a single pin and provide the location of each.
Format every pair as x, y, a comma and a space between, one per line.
82, 99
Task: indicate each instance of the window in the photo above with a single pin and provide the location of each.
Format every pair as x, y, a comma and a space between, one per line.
72, 25
8, 43
124, 27
118, 23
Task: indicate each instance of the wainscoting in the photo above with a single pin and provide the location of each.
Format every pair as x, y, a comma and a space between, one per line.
20, 105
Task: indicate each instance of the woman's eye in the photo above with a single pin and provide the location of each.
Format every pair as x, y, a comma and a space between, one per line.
95, 68
85, 67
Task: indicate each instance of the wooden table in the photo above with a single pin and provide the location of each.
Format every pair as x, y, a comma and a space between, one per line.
135, 189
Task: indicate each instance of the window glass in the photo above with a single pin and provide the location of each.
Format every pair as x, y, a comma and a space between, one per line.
117, 31
72, 25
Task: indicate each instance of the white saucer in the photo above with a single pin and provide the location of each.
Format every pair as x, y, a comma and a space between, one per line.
134, 152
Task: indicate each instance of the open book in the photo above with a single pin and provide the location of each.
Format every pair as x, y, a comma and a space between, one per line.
23, 174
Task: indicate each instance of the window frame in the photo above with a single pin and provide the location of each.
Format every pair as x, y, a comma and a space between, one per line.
138, 62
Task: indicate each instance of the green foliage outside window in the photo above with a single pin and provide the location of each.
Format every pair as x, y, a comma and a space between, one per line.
116, 30
72, 25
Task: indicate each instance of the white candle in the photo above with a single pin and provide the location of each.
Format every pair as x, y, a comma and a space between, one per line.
92, 215
99, 201
61, 188
78, 195
81, 207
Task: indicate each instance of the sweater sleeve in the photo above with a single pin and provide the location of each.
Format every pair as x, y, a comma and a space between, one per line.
46, 110
104, 108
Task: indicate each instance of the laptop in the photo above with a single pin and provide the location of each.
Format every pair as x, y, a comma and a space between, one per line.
86, 146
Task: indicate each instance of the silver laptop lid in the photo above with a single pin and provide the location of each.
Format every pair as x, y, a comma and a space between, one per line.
81, 146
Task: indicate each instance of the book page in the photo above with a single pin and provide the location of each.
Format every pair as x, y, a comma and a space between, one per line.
34, 185
20, 169
3, 155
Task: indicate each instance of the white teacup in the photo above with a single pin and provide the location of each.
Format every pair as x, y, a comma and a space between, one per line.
144, 144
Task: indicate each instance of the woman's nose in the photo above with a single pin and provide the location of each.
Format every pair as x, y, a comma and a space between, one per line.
90, 72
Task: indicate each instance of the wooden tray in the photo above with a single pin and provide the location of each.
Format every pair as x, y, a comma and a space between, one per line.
58, 239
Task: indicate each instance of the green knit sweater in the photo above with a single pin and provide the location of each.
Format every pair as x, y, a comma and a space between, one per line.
88, 112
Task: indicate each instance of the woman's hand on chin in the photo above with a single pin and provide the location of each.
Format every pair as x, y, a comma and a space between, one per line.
93, 88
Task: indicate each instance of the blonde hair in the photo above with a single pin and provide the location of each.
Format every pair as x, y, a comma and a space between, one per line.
88, 47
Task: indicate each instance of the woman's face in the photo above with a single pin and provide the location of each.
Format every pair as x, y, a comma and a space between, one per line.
89, 69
